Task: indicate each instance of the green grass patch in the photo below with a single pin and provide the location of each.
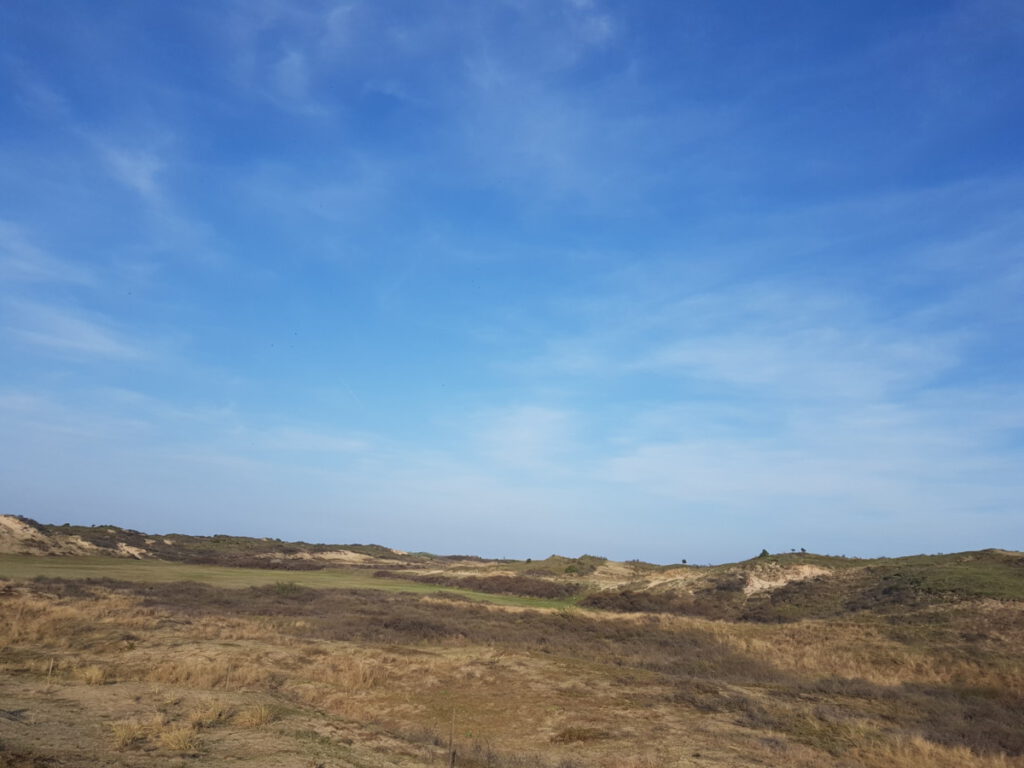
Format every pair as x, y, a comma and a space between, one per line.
1001, 579
25, 567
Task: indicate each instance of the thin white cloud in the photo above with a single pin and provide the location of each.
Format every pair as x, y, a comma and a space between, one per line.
141, 161
899, 462
21, 260
782, 341
37, 94
596, 29
291, 77
508, 121
138, 169
810, 362
347, 197
220, 432
277, 49
65, 331
337, 28
17, 402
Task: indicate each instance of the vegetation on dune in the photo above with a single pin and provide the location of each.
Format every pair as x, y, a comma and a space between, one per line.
220, 549
896, 585
885, 586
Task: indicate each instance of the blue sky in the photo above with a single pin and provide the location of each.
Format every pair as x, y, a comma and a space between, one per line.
641, 279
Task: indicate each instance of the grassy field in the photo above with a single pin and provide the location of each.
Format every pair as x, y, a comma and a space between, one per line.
145, 673
123, 569
795, 659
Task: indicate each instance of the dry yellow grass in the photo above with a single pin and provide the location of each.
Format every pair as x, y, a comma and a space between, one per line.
127, 732
68, 624
916, 752
853, 650
179, 738
93, 674
510, 697
256, 716
637, 761
352, 673
208, 714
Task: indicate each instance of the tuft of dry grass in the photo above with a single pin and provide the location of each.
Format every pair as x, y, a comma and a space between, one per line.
256, 716
353, 673
127, 732
575, 733
93, 674
638, 761
180, 738
207, 714
917, 752
225, 672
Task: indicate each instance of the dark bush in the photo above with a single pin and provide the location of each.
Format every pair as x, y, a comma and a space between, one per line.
496, 585
709, 604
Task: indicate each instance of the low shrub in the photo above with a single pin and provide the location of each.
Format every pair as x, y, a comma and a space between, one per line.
180, 738
577, 733
256, 716
525, 586
125, 733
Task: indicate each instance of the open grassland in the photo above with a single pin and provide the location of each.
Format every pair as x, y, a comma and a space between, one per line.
149, 672
256, 652
82, 567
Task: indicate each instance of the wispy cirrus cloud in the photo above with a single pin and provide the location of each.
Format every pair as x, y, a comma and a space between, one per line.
39, 96
277, 51
137, 169
64, 331
141, 164
461, 81
23, 261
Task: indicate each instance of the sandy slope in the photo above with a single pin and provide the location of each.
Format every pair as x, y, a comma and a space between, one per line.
19, 538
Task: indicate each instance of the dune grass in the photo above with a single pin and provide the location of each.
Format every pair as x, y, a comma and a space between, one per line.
938, 688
